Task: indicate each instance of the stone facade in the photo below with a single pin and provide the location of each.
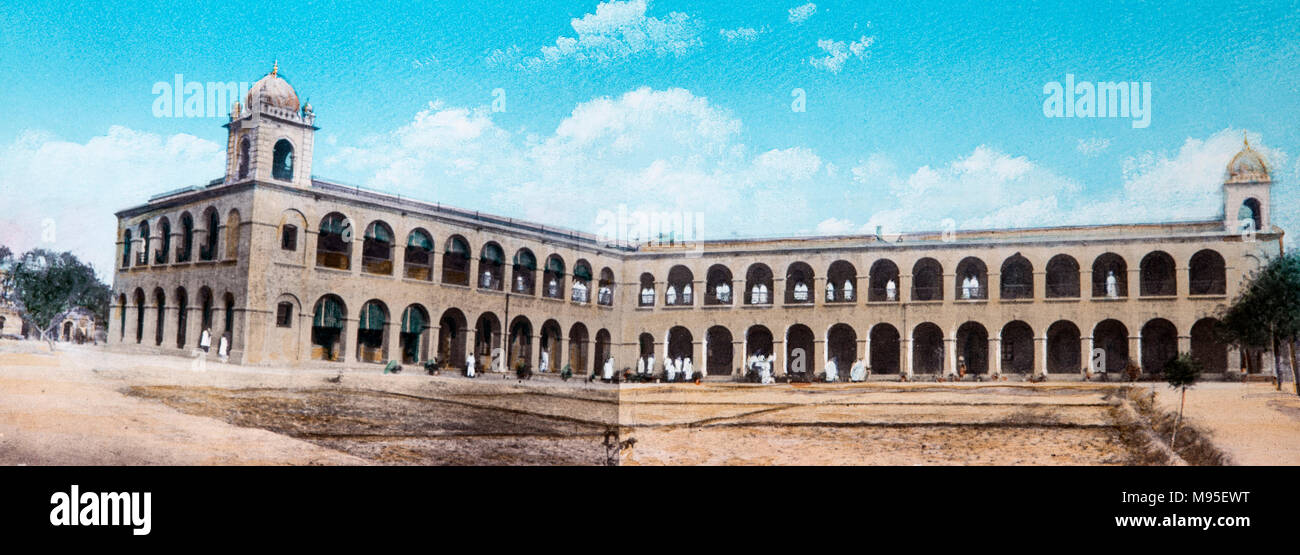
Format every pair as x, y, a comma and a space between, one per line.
303, 272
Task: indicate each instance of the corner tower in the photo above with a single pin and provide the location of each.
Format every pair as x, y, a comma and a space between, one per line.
1246, 187
270, 136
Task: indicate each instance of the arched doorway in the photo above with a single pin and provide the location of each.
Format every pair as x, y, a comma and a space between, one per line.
1063, 346
578, 340
1207, 348
842, 346
1018, 348
549, 347
414, 347
1159, 345
521, 341
327, 328
602, 348
371, 341
973, 348
885, 349
800, 351
487, 338
452, 328
720, 351
680, 343
1110, 340
758, 341
927, 349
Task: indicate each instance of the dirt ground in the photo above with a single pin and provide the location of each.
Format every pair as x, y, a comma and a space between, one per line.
87, 405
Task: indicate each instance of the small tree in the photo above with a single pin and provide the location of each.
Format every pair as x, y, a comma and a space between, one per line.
1181, 373
46, 285
1268, 310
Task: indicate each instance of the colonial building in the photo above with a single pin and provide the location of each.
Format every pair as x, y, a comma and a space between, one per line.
268, 256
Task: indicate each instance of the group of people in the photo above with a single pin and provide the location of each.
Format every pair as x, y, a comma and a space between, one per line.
223, 346
857, 373
970, 287
678, 369
847, 289
670, 296
761, 367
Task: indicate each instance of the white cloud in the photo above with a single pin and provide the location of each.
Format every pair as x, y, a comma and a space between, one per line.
78, 186
1093, 147
661, 150
838, 52
800, 14
742, 34
617, 30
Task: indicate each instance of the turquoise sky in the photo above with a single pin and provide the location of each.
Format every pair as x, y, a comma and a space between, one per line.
929, 100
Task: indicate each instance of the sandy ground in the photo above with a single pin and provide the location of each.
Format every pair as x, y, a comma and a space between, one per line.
86, 405
1253, 423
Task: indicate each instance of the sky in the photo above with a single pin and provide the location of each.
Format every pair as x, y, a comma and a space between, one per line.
760, 118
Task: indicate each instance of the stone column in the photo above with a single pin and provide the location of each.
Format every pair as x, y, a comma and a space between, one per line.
194, 327
170, 320
1185, 344
1040, 362
1135, 350
818, 290
905, 345
1085, 355
995, 353
348, 335
950, 355
392, 340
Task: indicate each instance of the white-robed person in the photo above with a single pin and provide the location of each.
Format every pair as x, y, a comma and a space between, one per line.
670, 296
670, 371
1112, 285
768, 363
469, 365
545, 362
223, 348
723, 293
640, 367
848, 290
607, 373
830, 292
686, 294
859, 371
832, 370
650, 365
891, 290
205, 340
688, 371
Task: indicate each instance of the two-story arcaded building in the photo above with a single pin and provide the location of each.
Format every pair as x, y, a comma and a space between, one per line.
299, 271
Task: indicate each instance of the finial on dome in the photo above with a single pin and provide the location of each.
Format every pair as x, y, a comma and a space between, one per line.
1245, 139
275, 68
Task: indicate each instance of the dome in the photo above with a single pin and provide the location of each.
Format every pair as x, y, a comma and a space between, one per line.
1247, 166
272, 90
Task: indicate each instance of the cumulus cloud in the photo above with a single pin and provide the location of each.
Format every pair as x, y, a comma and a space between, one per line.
800, 14
838, 52
1093, 147
617, 30
660, 150
989, 189
742, 34
71, 189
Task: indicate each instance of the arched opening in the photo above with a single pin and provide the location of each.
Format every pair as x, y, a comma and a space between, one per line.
1110, 277
487, 337
548, 359
182, 316
229, 329
553, 277
883, 285
972, 279
282, 160
758, 284
418, 259
1062, 277
885, 349
800, 351
165, 236
927, 280
491, 267
455, 261
1110, 341
67, 331
1158, 275
581, 290
139, 315
602, 347
759, 342
1250, 212
646, 350
718, 359
160, 303
334, 242
1018, 348
377, 249
1159, 345
680, 343
205, 309
524, 272
412, 342
208, 250
578, 340
842, 346
680, 291
1207, 274
1017, 277
798, 283
142, 257
841, 284
126, 248
327, 328
1207, 348
647, 296
927, 349
520, 349
973, 348
187, 238
1063, 348
371, 345
718, 285
121, 317
605, 296
243, 157
452, 331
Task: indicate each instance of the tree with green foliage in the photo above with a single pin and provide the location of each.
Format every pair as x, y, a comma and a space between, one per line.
46, 285
1181, 373
1267, 311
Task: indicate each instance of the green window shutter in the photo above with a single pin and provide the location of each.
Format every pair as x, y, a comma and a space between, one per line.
329, 314
412, 321
420, 241
458, 246
582, 272
372, 317
494, 255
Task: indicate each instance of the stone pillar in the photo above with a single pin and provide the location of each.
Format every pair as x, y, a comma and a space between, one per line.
1086, 345
392, 340
1040, 362
1135, 350
1085, 282
1234, 360
1134, 281
132, 313
905, 345
818, 290
535, 350
113, 324
950, 355
904, 290
348, 335
1184, 344
194, 327
995, 353
170, 321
